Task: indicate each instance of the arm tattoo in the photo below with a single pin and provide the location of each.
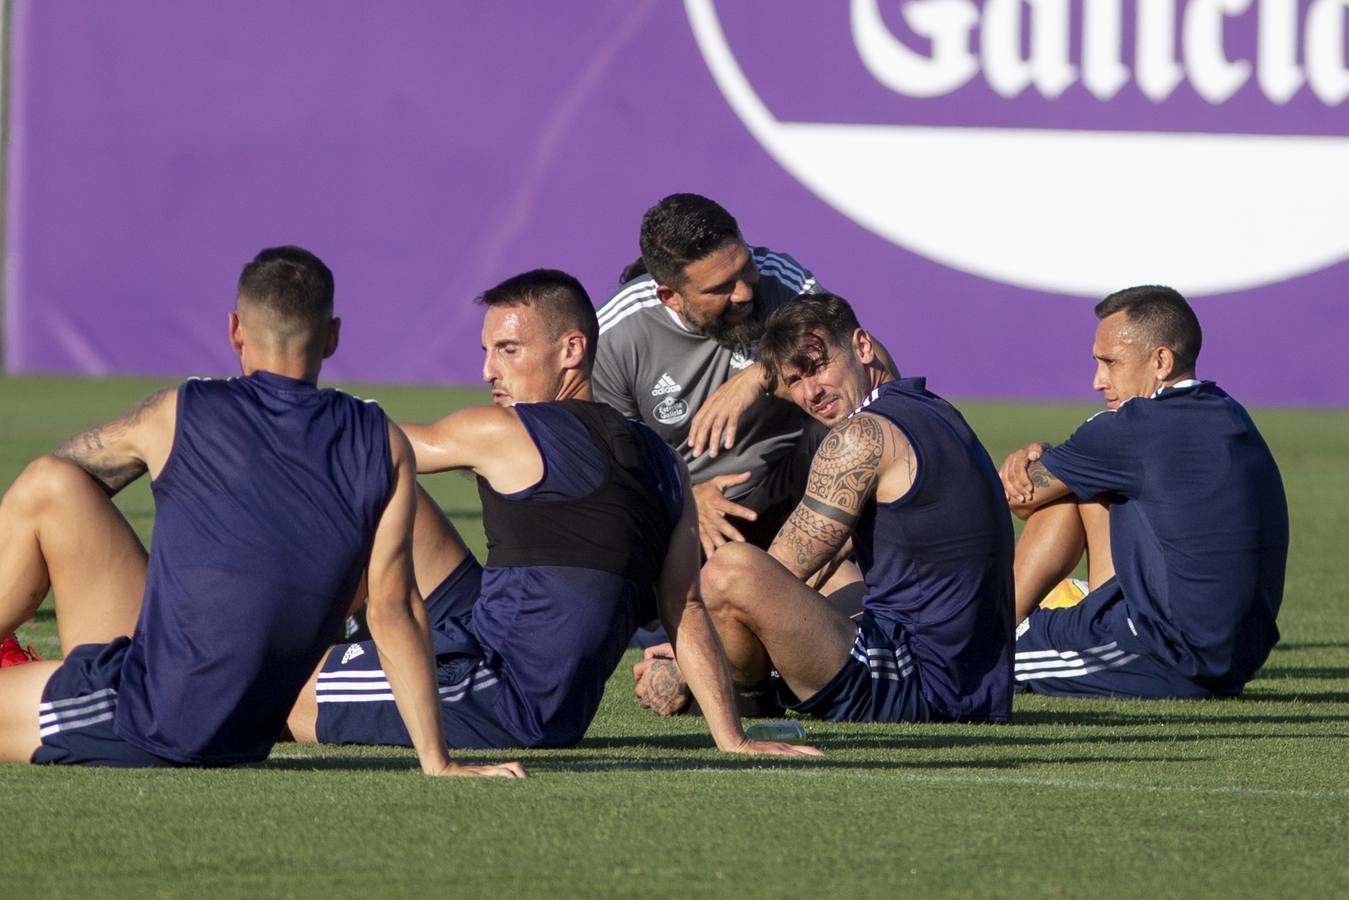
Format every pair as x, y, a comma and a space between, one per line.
844, 470
97, 450
841, 516
842, 481
1039, 475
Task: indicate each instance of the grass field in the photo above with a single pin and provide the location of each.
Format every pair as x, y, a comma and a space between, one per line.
1244, 798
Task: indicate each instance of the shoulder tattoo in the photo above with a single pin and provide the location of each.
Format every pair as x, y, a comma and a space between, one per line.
844, 471
842, 479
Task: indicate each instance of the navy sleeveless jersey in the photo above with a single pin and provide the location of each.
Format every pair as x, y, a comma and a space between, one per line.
938, 561
1198, 527
556, 633
264, 517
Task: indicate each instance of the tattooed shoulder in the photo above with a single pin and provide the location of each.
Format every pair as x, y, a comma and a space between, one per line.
846, 465
99, 452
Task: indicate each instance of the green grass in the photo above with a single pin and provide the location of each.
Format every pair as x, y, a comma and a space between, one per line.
1076, 798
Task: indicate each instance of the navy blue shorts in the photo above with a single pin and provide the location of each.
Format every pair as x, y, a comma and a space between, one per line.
355, 701
878, 683
454, 597
78, 706
1077, 652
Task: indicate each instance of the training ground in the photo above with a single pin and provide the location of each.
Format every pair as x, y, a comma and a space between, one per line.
1244, 798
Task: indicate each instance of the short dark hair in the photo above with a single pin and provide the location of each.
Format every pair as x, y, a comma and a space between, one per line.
634, 269
290, 282
1164, 318
559, 298
799, 333
681, 229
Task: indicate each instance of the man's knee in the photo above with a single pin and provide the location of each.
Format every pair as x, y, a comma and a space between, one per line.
44, 481
728, 574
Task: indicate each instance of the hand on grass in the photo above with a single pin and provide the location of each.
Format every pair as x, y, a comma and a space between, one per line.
775, 748
490, 770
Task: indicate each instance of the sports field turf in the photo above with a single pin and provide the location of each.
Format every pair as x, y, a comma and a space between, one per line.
1242, 798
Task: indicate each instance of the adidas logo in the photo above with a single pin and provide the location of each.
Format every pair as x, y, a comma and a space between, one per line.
740, 361
666, 385
352, 652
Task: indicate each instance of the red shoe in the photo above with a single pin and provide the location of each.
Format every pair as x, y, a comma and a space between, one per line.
13, 654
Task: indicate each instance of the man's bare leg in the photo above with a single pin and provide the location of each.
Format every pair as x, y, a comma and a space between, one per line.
20, 693
437, 548
59, 530
1050, 547
303, 721
766, 618
1100, 564
838, 574
1052, 544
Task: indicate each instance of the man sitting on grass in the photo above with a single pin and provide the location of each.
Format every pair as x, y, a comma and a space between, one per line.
591, 530
272, 498
1179, 503
902, 474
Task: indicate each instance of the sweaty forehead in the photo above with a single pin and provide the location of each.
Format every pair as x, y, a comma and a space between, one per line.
1114, 334
519, 324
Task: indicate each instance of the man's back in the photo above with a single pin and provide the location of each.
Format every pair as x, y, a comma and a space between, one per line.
572, 563
938, 561
265, 512
1198, 524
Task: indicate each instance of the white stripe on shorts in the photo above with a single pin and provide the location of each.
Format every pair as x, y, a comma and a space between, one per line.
334, 687
883, 662
1035, 664
73, 713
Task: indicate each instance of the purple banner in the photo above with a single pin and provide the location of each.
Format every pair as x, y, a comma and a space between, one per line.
972, 175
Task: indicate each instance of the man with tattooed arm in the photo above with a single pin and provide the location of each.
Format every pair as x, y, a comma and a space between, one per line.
1175, 497
273, 499
903, 476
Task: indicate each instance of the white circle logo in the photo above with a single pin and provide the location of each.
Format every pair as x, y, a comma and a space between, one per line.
1063, 208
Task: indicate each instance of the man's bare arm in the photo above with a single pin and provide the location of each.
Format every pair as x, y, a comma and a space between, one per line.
843, 478
118, 452
698, 650
436, 445
1026, 482
397, 618
714, 426
489, 440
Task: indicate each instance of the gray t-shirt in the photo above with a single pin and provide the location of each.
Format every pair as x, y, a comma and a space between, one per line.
648, 366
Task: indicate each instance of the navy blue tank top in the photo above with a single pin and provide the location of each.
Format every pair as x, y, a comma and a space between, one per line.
1198, 528
264, 516
556, 632
938, 561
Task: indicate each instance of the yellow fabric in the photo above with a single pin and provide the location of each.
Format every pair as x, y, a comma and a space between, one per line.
1068, 592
